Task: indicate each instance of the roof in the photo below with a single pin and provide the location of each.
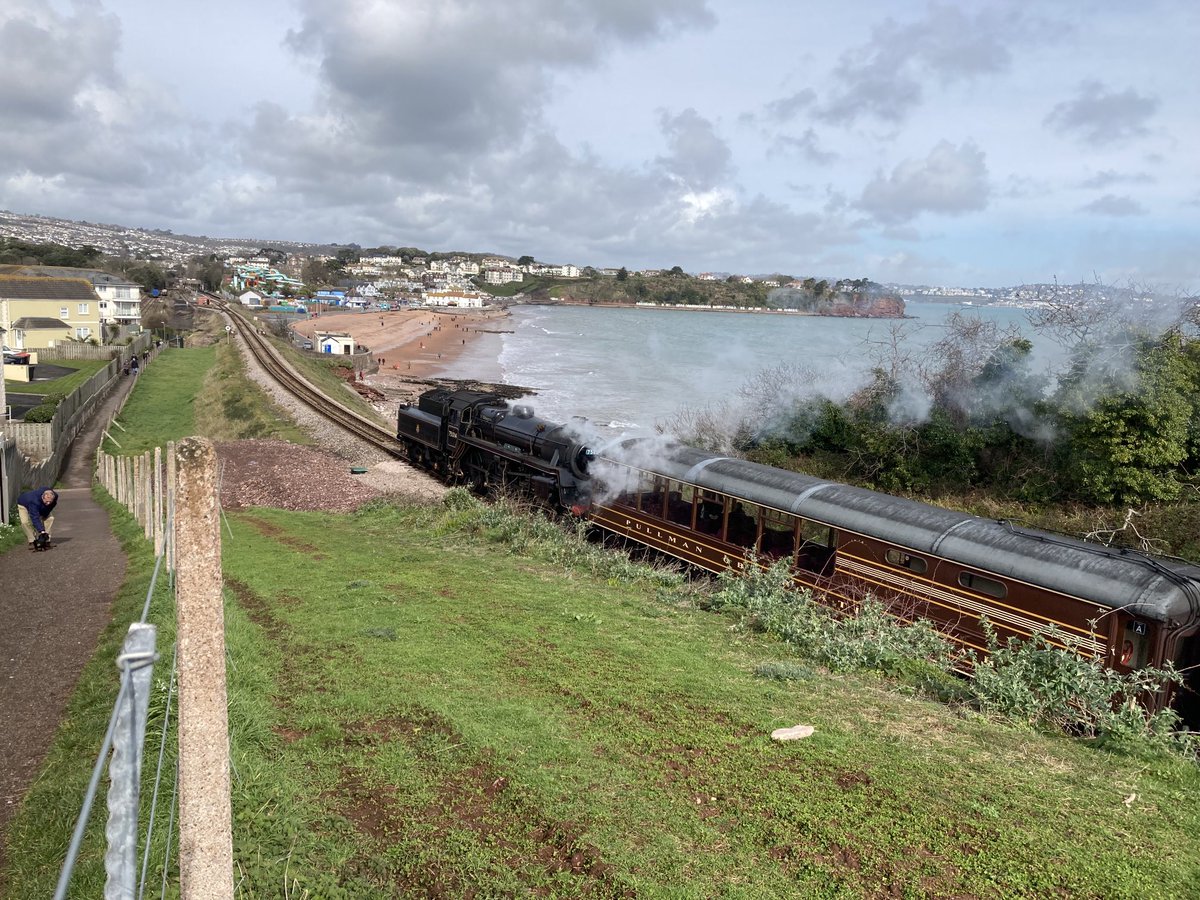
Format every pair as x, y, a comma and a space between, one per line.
36, 323
15, 287
1155, 588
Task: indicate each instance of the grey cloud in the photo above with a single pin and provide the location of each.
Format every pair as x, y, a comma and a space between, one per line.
808, 145
698, 156
464, 75
76, 133
882, 78
1112, 205
950, 180
1099, 115
51, 59
787, 108
1108, 177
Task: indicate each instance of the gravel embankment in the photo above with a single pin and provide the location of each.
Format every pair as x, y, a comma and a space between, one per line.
289, 476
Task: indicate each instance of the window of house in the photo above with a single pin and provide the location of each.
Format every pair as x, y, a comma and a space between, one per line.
122, 293
83, 332
63, 312
907, 561
82, 309
983, 585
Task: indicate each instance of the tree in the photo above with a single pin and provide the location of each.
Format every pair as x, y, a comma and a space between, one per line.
526, 261
622, 274
677, 271
1128, 429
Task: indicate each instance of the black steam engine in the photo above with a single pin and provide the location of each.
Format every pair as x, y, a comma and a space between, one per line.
478, 439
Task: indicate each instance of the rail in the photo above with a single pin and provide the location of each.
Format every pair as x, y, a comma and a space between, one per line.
295, 384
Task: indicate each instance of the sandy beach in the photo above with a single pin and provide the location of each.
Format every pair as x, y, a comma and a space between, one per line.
410, 346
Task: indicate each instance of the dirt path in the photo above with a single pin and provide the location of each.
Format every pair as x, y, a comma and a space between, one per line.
54, 606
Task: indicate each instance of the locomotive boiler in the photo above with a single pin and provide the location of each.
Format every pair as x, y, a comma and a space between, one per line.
479, 439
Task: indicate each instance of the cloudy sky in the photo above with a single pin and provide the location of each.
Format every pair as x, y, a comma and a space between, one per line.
964, 143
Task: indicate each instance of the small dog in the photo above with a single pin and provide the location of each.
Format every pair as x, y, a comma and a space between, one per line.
42, 541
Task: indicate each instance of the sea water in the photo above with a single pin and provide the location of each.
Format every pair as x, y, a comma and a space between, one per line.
632, 369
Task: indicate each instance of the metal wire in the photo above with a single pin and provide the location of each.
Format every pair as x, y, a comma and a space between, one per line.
68, 867
162, 747
170, 834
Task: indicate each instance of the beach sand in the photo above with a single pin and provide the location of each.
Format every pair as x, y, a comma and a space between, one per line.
410, 346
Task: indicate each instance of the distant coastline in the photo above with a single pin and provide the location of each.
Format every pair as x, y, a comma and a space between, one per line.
844, 312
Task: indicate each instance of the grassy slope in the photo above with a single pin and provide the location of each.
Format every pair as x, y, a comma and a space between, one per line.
417, 709
449, 715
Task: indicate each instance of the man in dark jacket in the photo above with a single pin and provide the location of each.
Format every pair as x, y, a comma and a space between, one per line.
35, 509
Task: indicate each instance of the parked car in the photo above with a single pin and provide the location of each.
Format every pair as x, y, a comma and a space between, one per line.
16, 357
307, 345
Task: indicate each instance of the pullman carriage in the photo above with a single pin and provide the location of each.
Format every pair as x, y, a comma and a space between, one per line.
1124, 608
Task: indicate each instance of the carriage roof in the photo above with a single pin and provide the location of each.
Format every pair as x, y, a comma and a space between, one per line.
1144, 585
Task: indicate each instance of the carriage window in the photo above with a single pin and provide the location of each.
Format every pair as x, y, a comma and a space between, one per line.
1135, 644
652, 494
679, 504
778, 534
743, 523
983, 585
624, 481
710, 513
907, 561
815, 533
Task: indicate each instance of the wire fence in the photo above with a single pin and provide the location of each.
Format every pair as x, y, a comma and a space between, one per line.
173, 497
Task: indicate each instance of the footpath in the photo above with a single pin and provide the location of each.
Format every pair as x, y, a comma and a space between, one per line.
53, 607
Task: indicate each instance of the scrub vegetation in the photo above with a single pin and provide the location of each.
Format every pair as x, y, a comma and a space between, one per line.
1108, 448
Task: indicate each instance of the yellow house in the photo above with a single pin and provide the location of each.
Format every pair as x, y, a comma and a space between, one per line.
41, 312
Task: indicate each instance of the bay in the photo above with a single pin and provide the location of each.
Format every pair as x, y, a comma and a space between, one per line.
628, 369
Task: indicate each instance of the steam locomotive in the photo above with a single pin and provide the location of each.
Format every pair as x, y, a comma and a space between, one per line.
479, 439
1126, 609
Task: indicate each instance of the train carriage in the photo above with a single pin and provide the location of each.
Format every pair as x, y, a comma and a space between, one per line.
1122, 608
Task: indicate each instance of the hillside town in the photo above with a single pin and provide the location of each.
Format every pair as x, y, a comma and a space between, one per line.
40, 305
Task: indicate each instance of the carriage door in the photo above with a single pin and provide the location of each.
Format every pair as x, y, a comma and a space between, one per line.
1187, 695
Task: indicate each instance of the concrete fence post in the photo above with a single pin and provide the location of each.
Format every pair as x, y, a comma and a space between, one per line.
205, 828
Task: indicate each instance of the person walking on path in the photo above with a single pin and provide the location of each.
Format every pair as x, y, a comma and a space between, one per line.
35, 509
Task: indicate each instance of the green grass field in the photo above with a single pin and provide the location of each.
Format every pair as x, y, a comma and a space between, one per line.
456, 701
83, 370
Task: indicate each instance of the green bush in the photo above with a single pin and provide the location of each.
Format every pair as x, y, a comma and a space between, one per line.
43, 412
870, 639
1035, 682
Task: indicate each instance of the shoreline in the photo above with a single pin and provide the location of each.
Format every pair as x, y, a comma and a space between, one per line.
413, 347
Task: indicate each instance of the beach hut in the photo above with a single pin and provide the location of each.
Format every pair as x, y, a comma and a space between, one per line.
338, 343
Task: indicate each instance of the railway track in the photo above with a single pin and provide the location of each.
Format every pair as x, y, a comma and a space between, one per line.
295, 384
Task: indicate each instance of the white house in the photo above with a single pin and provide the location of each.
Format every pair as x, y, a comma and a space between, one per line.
120, 300
460, 298
251, 298
338, 343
